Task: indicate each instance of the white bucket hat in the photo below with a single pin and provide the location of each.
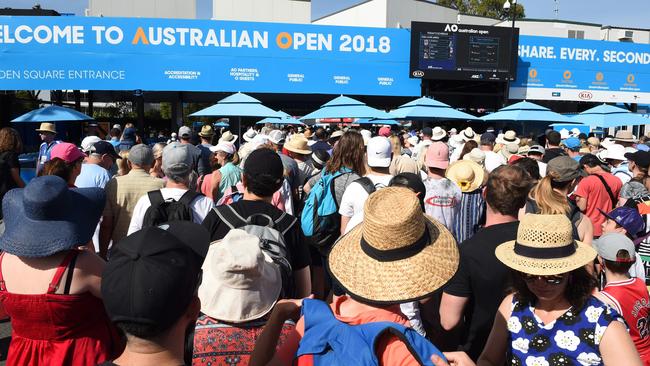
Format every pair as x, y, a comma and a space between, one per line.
510, 137
438, 133
240, 282
249, 135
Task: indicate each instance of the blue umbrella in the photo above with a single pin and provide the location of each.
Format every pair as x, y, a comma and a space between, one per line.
381, 122
53, 113
237, 105
606, 116
222, 124
345, 107
426, 108
527, 112
286, 119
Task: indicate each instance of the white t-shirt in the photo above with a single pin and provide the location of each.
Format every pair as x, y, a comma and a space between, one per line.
201, 206
542, 168
355, 197
442, 201
493, 160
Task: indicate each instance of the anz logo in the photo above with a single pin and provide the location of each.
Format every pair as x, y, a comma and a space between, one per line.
451, 28
418, 73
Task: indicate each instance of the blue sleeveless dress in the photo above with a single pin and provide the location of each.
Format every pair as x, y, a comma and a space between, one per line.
572, 339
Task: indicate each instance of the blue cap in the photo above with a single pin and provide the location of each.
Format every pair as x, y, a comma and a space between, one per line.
572, 143
628, 218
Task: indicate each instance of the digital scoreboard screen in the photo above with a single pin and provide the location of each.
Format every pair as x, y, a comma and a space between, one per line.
462, 52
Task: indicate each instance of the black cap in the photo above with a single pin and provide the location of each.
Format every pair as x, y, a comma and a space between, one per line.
264, 162
153, 274
104, 147
640, 158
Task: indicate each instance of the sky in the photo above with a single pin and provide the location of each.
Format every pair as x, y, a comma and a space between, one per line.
626, 13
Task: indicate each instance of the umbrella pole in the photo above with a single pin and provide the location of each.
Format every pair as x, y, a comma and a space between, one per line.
239, 129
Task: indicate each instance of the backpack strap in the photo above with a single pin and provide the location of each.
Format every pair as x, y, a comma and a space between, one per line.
229, 216
285, 222
188, 197
367, 184
156, 198
609, 190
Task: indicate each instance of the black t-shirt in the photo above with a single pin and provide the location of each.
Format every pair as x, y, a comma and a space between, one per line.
296, 244
553, 153
482, 278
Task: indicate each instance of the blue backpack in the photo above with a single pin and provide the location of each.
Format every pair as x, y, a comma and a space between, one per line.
320, 220
328, 341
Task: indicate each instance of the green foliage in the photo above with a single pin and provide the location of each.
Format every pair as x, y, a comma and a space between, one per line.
485, 8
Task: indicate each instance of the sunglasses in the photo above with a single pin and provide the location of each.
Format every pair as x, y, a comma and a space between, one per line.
551, 280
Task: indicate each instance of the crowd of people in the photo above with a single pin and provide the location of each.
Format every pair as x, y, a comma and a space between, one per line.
332, 246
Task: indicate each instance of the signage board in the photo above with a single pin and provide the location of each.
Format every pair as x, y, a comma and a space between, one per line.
202, 55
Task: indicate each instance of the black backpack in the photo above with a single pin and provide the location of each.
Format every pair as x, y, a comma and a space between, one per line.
162, 210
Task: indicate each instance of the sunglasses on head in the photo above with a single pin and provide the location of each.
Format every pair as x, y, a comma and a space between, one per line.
551, 280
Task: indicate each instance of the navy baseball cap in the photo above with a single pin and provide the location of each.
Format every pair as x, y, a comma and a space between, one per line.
628, 218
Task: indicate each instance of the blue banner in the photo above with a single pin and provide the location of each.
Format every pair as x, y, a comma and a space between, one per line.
571, 69
202, 55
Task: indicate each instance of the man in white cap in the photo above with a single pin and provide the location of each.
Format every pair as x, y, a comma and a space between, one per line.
379, 156
47, 131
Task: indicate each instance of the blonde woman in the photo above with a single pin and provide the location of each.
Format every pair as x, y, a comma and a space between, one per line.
156, 171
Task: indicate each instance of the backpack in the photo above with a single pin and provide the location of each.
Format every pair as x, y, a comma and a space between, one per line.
320, 220
329, 341
162, 210
230, 196
271, 234
367, 184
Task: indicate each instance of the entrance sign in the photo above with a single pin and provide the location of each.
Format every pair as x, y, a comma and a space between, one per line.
202, 55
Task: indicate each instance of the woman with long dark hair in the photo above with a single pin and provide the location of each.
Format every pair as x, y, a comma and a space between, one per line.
348, 158
10, 147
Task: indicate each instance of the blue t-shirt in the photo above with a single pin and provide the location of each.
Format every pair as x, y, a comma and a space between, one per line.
92, 175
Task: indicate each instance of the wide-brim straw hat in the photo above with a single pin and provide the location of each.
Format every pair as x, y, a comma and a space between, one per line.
47, 127
299, 145
545, 247
398, 254
625, 136
228, 137
467, 174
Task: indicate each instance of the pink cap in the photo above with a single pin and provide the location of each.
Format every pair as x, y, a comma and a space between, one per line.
437, 156
384, 131
67, 152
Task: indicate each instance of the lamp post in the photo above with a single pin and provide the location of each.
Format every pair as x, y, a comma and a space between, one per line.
512, 10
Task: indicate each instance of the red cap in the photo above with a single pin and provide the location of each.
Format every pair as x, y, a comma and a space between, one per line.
514, 158
384, 131
67, 152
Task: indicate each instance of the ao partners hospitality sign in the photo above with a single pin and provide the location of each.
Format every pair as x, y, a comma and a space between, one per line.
582, 70
202, 55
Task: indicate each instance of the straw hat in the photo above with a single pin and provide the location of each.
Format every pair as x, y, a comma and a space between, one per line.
625, 136
298, 144
240, 281
47, 127
468, 175
228, 137
510, 137
206, 131
544, 247
397, 254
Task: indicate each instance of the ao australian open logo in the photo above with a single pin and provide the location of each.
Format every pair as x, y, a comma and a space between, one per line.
418, 74
442, 201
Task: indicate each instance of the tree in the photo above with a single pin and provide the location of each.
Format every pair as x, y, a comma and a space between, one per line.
485, 8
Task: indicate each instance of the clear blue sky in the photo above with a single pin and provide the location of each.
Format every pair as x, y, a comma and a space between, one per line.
631, 13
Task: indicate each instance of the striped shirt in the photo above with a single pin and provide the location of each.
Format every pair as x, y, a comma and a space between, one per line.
122, 194
471, 215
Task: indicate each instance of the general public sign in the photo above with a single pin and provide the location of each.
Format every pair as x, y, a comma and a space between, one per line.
202, 55
582, 70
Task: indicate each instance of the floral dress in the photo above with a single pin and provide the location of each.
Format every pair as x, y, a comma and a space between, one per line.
571, 339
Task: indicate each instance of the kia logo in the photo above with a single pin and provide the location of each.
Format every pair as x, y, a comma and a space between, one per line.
585, 95
418, 73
